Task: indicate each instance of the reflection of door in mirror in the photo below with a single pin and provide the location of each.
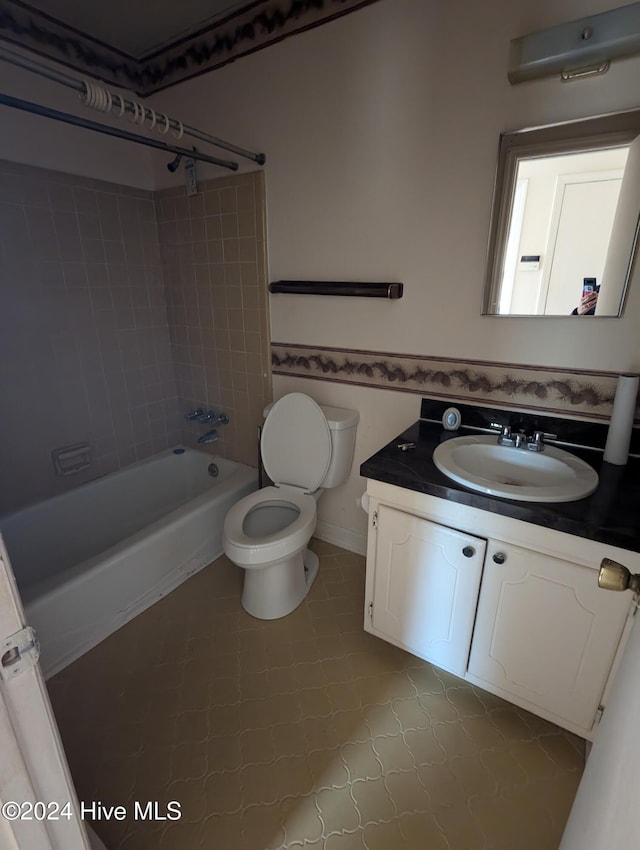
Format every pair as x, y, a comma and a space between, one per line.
566, 207
566, 220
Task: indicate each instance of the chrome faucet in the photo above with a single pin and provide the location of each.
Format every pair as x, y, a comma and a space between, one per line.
207, 417
505, 438
520, 439
536, 443
209, 437
219, 419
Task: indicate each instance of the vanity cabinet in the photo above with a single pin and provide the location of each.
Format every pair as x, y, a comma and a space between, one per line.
511, 607
425, 587
545, 633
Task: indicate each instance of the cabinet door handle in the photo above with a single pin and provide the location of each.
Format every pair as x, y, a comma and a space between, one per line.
499, 558
468, 551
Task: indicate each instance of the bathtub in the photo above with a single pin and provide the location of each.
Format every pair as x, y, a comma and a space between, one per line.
90, 560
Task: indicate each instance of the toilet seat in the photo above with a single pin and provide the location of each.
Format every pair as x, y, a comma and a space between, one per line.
296, 442
248, 551
267, 533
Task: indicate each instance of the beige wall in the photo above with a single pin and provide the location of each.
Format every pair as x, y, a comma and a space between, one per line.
381, 131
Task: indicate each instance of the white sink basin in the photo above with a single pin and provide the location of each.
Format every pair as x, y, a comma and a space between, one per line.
549, 476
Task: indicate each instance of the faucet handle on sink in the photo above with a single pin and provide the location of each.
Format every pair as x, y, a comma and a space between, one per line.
536, 443
505, 430
505, 437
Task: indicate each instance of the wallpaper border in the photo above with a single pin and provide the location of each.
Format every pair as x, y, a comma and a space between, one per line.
575, 392
251, 27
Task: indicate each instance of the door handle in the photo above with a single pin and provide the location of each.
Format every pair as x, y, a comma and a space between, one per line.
615, 576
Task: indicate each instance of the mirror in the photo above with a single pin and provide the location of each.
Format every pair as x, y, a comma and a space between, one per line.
565, 217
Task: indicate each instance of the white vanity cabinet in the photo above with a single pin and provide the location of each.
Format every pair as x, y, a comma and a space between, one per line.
545, 633
425, 587
512, 607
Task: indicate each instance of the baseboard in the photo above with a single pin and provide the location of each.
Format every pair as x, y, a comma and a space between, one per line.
352, 541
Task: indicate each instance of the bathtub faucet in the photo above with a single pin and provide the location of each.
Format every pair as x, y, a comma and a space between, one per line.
207, 417
209, 437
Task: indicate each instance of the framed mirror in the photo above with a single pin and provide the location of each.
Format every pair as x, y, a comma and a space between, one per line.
564, 224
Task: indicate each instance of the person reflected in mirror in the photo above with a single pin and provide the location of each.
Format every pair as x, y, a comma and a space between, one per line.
587, 304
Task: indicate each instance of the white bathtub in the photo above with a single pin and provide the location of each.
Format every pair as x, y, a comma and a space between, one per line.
90, 560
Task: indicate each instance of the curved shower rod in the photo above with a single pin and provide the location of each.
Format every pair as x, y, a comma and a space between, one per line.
104, 100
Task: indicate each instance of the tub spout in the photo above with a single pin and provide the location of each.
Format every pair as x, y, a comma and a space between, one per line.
209, 437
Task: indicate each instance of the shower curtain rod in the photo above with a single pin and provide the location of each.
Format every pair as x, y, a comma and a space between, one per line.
130, 107
56, 115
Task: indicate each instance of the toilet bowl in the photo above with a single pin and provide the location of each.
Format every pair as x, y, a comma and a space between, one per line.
305, 448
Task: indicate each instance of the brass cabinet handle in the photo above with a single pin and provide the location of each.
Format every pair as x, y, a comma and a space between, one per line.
615, 576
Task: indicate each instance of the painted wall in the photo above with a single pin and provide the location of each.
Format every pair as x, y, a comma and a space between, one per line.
381, 131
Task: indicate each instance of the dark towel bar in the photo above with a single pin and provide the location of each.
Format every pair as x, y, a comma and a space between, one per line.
323, 287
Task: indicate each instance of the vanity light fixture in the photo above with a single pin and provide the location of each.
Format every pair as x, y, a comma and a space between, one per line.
578, 49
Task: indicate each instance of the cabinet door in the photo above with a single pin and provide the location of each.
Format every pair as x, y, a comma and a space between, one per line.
545, 633
426, 587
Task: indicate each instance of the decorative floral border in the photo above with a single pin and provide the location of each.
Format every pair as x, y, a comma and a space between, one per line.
253, 26
580, 393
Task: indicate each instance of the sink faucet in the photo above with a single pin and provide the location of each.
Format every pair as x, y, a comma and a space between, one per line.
536, 443
209, 437
520, 439
505, 438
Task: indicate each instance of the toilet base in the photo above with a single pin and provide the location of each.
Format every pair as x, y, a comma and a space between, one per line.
273, 592
311, 567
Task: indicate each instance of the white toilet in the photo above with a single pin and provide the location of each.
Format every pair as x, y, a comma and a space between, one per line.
306, 448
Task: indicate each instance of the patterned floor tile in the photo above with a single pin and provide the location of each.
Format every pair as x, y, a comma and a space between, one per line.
304, 732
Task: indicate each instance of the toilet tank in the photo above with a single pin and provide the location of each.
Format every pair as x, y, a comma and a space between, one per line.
342, 425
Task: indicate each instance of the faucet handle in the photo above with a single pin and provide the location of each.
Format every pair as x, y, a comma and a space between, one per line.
536, 443
195, 414
505, 430
539, 436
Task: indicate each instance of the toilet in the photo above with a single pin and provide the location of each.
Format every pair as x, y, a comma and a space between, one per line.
306, 448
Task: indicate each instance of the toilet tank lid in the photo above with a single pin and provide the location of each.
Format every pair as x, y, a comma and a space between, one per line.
337, 418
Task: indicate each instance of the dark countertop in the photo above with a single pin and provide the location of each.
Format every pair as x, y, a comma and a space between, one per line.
610, 515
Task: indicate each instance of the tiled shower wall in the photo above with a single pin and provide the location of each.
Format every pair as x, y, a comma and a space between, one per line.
89, 351
213, 252
85, 353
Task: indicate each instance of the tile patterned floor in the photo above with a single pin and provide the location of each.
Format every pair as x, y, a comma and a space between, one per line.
304, 732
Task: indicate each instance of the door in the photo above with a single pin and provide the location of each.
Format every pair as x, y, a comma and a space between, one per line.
426, 587
39, 806
545, 635
604, 813
584, 210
